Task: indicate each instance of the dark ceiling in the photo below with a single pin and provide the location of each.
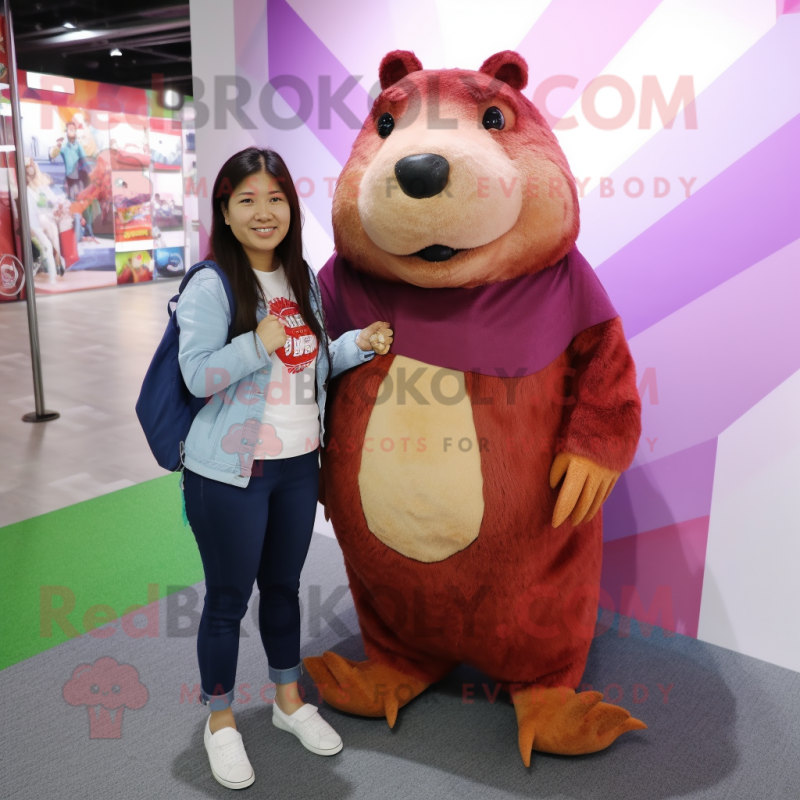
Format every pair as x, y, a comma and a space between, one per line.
154, 40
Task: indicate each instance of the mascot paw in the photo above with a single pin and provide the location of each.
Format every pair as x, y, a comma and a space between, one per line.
560, 721
366, 688
586, 487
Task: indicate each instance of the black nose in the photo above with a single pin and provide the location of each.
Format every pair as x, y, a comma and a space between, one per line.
422, 175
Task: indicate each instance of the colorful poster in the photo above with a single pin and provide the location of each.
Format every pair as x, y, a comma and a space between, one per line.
166, 144
3, 54
167, 201
67, 164
129, 143
134, 267
168, 238
74, 147
191, 189
132, 206
92, 133
12, 277
169, 262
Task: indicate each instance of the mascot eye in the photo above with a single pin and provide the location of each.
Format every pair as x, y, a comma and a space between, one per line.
493, 118
385, 125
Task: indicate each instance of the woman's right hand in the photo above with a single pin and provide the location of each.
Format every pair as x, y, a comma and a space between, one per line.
272, 333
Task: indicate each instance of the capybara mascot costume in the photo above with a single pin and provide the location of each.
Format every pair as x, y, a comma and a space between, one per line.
464, 472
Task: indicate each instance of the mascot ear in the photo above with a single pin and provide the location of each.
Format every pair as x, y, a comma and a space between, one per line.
509, 67
396, 65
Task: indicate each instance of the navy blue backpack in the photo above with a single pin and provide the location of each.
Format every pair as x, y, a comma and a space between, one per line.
165, 406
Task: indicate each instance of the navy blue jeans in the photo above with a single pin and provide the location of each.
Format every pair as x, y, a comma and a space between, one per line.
259, 533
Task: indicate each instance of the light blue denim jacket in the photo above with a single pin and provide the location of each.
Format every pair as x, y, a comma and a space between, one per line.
236, 375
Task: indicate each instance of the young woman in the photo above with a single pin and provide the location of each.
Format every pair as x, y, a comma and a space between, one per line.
251, 456
51, 208
43, 227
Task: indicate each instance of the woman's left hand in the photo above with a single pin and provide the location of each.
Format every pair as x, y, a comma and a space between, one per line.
377, 337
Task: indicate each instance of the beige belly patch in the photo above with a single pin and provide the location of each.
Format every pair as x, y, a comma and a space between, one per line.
420, 479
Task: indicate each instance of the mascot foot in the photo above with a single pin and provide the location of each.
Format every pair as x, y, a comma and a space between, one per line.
560, 721
366, 688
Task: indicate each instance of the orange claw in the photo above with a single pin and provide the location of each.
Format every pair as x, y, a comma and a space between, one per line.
560, 721
586, 487
367, 688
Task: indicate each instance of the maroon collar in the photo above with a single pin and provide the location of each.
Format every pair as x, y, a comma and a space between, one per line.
509, 328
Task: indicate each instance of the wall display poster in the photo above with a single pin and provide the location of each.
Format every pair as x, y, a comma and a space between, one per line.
134, 267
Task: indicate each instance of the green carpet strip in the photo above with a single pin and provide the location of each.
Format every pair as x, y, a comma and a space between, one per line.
69, 571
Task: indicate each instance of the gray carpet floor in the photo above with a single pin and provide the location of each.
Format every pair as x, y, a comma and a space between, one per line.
730, 727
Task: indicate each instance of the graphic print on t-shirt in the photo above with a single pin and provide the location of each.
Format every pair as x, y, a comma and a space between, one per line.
300, 349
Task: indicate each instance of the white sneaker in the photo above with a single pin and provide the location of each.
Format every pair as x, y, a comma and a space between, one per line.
229, 762
309, 727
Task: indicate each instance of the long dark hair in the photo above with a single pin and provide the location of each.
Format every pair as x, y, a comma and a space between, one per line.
227, 251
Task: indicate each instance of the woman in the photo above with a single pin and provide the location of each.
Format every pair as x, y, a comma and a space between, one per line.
45, 209
251, 460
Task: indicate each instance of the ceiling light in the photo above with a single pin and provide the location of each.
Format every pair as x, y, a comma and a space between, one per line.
116, 52
171, 99
68, 25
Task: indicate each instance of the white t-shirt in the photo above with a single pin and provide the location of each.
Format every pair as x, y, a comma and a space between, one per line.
290, 422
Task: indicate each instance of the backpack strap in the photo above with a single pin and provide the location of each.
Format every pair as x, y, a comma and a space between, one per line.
225, 284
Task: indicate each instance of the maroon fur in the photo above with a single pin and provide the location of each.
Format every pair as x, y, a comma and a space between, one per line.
534, 588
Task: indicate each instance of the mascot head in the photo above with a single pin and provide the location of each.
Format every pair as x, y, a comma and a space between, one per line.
455, 179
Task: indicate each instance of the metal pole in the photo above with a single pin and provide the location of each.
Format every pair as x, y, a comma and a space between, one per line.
40, 415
